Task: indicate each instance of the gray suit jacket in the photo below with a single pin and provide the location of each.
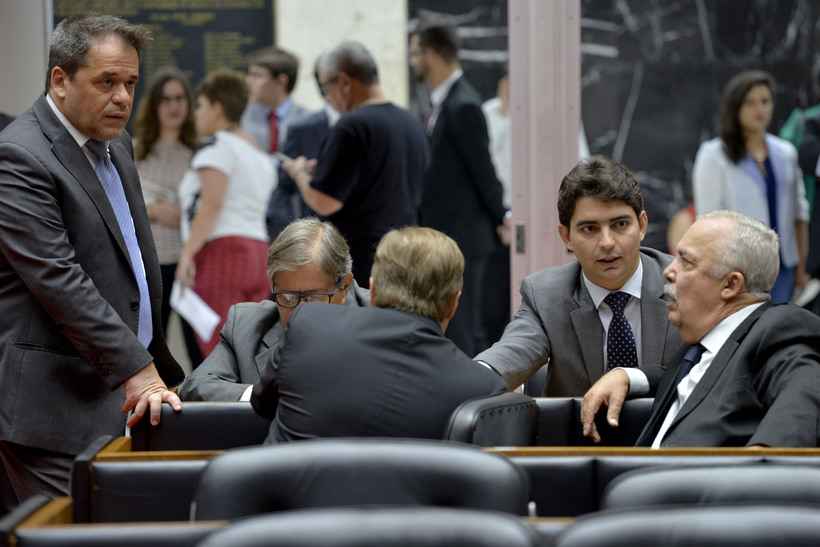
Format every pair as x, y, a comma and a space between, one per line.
558, 324
69, 302
249, 342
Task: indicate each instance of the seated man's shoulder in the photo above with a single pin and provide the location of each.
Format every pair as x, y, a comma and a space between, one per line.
554, 277
246, 314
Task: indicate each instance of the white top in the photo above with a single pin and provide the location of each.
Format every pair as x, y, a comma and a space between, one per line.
251, 179
720, 184
632, 310
713, 341
498, 124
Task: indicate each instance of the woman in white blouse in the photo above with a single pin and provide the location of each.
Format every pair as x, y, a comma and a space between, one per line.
756, 173
224, 197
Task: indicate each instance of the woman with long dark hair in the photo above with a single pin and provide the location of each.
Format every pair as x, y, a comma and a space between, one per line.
753, 172
164, 142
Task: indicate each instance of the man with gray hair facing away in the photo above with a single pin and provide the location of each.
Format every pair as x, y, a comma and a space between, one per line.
386, 370
369, 176
308, 262
751, 373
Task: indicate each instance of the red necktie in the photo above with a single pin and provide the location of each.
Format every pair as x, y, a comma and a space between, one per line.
274, 132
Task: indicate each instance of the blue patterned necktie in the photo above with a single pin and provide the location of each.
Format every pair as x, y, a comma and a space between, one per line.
112, 184
690, 359
620, 342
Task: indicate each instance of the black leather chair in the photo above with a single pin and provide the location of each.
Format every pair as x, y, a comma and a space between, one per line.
151, 489
405, 527
559, 423
355, 472
754, 484
180, 534
769, 525
202, 426
502, 420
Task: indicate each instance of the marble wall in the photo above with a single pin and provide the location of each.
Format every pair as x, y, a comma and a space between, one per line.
308, 27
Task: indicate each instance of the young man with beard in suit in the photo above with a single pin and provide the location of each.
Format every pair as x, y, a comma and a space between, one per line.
603, 311
462, 194
751, 371
80, 334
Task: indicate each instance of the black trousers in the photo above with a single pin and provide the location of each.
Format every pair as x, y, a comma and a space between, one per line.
497, 293
26, 471
466, 329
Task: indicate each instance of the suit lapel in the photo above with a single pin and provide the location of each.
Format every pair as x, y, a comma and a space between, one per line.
718, 366
654, 323
76, 163
271, 342
438, 128
588, 330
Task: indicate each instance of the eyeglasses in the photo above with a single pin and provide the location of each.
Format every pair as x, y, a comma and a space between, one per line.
323, 86
291, 299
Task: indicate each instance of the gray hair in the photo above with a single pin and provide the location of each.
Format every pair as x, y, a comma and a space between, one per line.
310, 241
75, 35
752, 249
353, 59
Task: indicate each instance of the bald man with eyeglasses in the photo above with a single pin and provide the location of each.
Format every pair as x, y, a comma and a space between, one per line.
308, 262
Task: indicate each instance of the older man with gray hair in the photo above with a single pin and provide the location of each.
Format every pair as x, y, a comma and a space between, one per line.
386, 370
751, 373
369, 177
308, 262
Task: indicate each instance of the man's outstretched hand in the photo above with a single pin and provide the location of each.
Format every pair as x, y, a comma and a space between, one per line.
145, 390
610, 390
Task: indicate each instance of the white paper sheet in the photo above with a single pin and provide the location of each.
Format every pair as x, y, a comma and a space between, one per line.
194, 310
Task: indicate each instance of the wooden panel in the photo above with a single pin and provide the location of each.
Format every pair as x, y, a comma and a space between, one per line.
57, 511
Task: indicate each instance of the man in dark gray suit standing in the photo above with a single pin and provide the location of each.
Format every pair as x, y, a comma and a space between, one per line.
605, 311
80, 297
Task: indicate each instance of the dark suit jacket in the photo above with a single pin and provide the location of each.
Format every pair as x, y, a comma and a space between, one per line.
69, 302
305, 138
558, 325
249, 341
763, 387
462, 194
346, 371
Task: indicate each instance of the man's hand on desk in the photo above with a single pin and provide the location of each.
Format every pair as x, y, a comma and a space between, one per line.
145, 390
610, 390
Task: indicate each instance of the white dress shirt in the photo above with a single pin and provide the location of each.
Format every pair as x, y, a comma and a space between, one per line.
632, 311
713, 341
73, 131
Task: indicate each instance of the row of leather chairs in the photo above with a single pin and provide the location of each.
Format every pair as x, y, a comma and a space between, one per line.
512, 419
113, 484
756, 504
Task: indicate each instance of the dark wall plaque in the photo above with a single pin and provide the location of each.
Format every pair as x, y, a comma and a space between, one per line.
196, 36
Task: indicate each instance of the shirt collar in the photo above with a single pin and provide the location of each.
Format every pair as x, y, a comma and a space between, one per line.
632, 287
283, 109
332, 114
438, 95
73, 131
716, 337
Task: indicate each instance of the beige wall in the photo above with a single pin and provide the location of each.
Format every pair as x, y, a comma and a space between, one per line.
23, 57
308, 27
